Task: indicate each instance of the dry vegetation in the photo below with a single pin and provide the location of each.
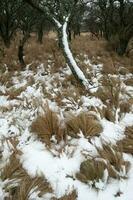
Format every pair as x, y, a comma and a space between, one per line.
96, 50
114, 161
48, 125
84, 123
71, 196
127, 143
91, 170
110, 159
18, 184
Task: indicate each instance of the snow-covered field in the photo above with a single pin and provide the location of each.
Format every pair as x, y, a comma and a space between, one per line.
24, 96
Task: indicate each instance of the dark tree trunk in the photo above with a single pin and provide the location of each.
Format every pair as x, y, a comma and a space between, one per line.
21, 49
21, 54
40, 33
69, 34
7, 42
76, 31
122, 47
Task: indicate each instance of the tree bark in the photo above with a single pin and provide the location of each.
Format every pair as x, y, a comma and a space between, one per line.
21, 54
123, 43
7, 42
64, 44
40, 33
21, 50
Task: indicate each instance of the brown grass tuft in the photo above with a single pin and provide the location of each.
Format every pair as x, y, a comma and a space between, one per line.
27, 186
19, 185
71, 196
129, 81
110, 159
6, 79
127, 142
110, 92
114, 161
125, 107
48, 125
91, 170
85, 123
11, 169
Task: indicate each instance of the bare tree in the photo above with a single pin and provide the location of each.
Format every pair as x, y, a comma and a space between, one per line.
9, 19
114, 19
60, 12
29, 20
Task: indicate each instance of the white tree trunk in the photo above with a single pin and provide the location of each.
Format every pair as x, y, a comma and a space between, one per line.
77, 72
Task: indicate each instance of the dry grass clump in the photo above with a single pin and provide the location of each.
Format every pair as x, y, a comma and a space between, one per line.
91, 170
110, 92
127, 143
69, 79
15, 92
129, 81
83, 123
71, 196
110, 159
19, 185
27, 186
125, 107
48, 125
11, 169
114, 161
109, 114
6, 79
12, 165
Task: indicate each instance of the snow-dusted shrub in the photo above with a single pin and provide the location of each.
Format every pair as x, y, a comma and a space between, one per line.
84, 123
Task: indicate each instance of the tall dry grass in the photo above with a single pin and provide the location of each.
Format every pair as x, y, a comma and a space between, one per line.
95, 49
71, 196
18, 184
83, 123
47, 125
127, 143
91, 170
115, 163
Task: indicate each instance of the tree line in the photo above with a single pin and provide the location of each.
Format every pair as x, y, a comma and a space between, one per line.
112, 19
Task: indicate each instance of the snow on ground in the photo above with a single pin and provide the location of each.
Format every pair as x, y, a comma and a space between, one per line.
59, 168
